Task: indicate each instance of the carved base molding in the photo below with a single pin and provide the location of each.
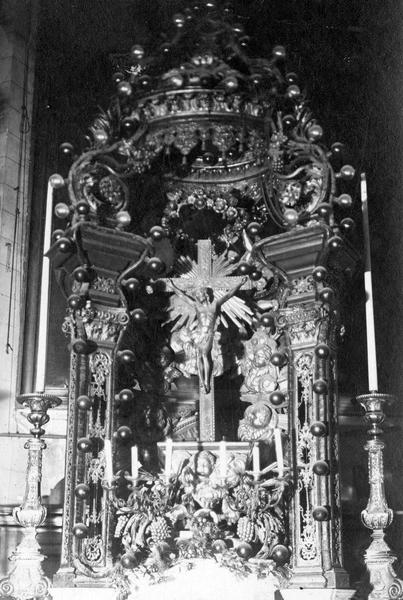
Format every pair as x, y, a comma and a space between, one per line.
291, 594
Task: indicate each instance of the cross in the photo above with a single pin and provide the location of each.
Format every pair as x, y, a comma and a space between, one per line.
205, 277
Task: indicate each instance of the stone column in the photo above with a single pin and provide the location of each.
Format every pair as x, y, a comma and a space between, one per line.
17, 61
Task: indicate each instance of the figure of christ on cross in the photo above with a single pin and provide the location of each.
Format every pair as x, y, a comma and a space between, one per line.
207, 277
207, 312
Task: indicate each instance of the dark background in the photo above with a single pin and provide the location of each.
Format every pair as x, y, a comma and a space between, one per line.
349, 55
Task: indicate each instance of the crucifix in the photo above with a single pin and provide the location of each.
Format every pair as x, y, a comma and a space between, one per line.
195, 291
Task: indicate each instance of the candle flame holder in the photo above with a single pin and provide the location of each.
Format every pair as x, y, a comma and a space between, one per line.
377, 515
26, 578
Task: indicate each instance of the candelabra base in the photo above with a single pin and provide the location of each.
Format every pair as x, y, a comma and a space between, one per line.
379, 560
26, 579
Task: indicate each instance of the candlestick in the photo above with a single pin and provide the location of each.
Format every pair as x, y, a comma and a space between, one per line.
135, 462
279, 451
256, 460
223, 459
369, 305
108, 461
41, 350
168, 459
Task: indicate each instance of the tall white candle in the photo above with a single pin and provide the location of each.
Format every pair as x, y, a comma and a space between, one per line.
256, 460
135, 462
223, 459
369, 304
279, 451
168, 459
41, 350
108, 461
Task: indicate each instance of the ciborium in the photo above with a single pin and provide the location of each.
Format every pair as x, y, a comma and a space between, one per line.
26, 578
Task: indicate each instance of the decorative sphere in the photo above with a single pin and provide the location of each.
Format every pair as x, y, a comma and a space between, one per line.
156, 265
231, 83
293, 91
244, 268
126, 395
84, 445
124, 88
326, 294
75, 301
132, 284
320, 513
324, 210
157, 233
267, 320
345, 200
177, 80
256, 78
347, 225
123, 218
128, 560
347, 172
315, 132
80, 531
321, 468
322, 351
84, 402
139, 316
277, 398
238, 28
320, 386
124, 433
244, 550
81, 346
278, 359
166, 48
145, 82
209, 158
291, 78
56, 181
289, 121
82, 491
137, 51
280, 554
335, 242
318, 429
290, 216
179, 20
66, 148
64, 244
126, 357
219, 546
129, 126
57, 234
117, 77
337, 148
82, 208
319, 274
279, 52
255, 274
253, 228
62, 211
100, 136
81, 274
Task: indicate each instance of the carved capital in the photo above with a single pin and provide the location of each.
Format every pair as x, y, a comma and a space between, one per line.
302, 322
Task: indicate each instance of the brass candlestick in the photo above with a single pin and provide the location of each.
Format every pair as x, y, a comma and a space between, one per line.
26, 578
377, 515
